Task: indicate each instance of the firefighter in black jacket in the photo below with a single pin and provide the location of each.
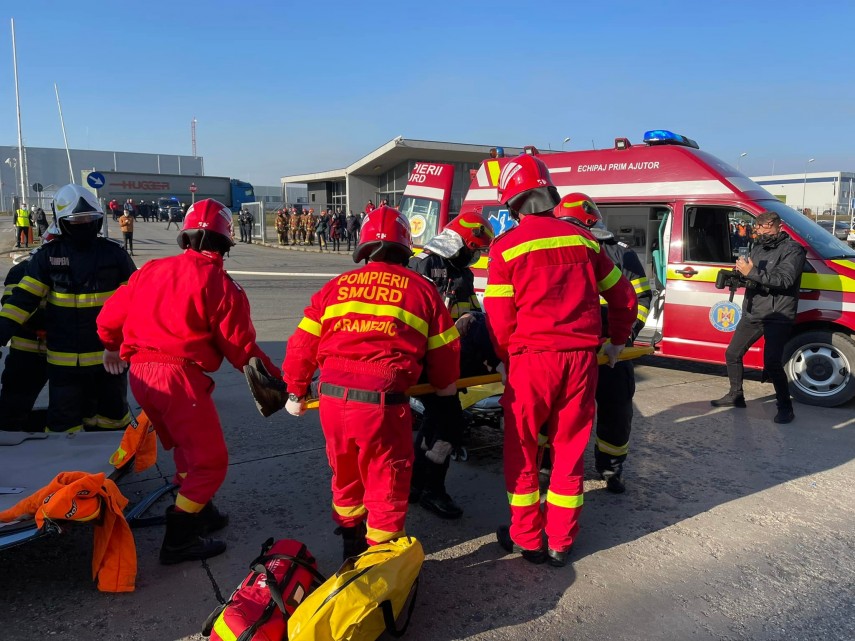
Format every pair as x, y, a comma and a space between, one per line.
616, 385
75, 274
25, 370
445, 261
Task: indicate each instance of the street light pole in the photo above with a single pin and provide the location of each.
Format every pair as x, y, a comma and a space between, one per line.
741, 156
804, 185
566, 140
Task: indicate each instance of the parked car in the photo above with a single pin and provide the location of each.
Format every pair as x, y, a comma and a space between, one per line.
169, 209
841, 229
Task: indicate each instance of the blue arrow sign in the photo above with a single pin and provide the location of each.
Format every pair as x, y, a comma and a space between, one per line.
96, 180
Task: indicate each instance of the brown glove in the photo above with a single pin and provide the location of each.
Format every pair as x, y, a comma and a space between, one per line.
269, 393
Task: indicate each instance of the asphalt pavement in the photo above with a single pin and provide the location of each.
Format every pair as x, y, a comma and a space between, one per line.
732, 527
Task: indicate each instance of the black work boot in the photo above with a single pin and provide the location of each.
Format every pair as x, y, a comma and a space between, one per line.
731, 399
211, 519
785, 414
503, 536
614, 482
182, 541
433, 497
353, 541
556, 559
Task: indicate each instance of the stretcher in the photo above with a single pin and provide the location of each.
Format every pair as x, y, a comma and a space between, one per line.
485, 380
29, 461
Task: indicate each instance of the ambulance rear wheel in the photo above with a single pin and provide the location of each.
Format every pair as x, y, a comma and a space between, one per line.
821, 368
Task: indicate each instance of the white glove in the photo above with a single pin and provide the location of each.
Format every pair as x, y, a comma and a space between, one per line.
112, 363
612, 351
500, 368
295, 407
439, 452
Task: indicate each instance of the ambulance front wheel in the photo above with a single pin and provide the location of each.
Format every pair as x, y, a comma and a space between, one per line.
820, 366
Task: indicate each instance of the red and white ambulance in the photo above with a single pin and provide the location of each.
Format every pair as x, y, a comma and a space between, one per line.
686, 214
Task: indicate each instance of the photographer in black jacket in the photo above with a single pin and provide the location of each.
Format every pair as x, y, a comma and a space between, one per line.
772, 273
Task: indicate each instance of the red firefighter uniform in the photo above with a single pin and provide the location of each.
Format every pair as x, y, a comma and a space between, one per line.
173, 330
542, 302
371, 331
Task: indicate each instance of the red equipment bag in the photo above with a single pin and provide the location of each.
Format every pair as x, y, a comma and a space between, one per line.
258, 610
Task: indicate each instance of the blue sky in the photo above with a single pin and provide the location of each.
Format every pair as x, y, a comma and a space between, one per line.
282, 88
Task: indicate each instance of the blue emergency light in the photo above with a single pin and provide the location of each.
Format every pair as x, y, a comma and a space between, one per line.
665, 137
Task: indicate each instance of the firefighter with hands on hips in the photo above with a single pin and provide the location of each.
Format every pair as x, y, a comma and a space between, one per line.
544, 281
371, 331
25, 370
445, 261
615, 385
76, 274
173, 331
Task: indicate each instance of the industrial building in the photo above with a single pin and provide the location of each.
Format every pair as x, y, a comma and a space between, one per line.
825, 194
383, 173
48, 167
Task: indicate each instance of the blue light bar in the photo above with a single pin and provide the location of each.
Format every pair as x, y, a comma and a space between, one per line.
665, 137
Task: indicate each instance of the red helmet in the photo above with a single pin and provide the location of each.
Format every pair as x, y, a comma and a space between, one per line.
204, 217
526, 187
385, 236
474, 229
580, 208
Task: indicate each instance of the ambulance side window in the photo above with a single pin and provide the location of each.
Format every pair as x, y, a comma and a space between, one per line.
708, 235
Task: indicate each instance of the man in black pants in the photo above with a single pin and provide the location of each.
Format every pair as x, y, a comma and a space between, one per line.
615, 385
772, 274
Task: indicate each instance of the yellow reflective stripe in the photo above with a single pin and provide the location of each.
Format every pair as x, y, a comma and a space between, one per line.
643, 313
183, 503
381, 536
349, 510
640, 285
542, 440
369, 309
118, 456
15, 313
72, 358
111, 423
524, 500
310, 326
603, 301
28, 345
614, 450
222, 629
448, 336
565, 500
8, 290
91, 358
498, 291
556, 242
61, 358
609, 281
35, 287
92, 299
70, 430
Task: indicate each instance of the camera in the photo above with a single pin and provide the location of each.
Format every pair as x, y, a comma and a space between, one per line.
728, 278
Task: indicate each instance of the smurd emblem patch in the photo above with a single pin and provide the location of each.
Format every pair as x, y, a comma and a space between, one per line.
417, 226
724, 316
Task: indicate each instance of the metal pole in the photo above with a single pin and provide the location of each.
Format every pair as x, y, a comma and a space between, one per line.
18, 109
804, 186
64, 137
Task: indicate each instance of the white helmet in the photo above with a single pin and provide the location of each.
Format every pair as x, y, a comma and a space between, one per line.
74, 204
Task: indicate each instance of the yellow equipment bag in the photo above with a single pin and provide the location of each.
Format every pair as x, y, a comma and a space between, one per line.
364, 598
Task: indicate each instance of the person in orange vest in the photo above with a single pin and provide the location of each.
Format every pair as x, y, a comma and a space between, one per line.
371, 331
542, 302
173, 331
126, 223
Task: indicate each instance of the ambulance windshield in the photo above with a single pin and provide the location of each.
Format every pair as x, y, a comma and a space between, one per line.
423, 214
821, 241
